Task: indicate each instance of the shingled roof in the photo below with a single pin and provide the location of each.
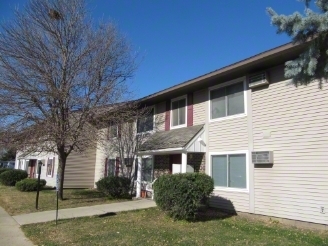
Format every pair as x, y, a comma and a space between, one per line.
176, 138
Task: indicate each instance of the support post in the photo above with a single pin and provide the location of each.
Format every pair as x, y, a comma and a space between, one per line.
139, 172
183, 162
38, 186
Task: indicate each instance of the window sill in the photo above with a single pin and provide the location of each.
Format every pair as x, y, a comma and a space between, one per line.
228, 117
111, 138
240, 190
179, 126
147, 132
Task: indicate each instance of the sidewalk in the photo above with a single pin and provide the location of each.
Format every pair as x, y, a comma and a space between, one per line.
68, 213
10, 233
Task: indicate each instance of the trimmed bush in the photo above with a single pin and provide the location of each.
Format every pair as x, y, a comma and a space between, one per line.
12, 176
181, 195
114, 187
30, 184
2, 170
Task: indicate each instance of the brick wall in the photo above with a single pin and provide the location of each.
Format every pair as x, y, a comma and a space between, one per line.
161, 165
197, 160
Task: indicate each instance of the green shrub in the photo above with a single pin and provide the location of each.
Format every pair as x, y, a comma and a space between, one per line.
181, 195
12, 176
2, 170
30, 184
114, 187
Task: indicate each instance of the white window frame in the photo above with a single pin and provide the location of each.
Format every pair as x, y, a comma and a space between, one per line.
231, 82
110, 131
218, 188
109, 158
53, 167
152, 165
151, 131
186, 112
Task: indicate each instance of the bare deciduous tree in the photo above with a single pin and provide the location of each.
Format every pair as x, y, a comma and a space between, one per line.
58, 71
122, 139
122, 145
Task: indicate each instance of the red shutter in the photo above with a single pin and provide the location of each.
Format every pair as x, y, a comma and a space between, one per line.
190, 110
106, 168
117, 166
167, 116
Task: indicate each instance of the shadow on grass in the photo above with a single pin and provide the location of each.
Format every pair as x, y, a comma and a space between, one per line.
49, 188
209, 213
106, 215
87, 194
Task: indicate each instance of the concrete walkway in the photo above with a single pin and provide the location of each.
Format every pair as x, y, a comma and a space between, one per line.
10, 233
68, 213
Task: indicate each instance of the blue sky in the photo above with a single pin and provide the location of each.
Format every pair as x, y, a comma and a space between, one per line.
178, 40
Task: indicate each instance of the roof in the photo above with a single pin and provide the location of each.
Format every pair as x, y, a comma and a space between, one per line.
176, 138
261, 61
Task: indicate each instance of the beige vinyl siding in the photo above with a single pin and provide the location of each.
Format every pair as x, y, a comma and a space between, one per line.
228, 135
293, 123
80, 169
199, 100
100, 156
160, 109
100, 164
230, 200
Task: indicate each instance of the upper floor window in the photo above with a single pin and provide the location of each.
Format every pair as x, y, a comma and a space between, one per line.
226, 101
146, 123
178, 112
112, 131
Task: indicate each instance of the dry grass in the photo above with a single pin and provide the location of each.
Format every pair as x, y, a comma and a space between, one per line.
16, 202
152, 227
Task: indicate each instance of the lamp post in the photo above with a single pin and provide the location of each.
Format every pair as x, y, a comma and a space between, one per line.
38, 187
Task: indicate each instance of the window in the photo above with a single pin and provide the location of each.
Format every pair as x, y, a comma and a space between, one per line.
112, 131
146, 124
178, 112
229, 170
227, 101
50, 166
147, 169
111, 167
128, 162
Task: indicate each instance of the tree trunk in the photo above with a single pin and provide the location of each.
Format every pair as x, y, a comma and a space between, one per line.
61, 173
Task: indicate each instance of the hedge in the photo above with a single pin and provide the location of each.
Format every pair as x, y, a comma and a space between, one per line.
114, 187
181, 195
30, 184
12, 176
2, 170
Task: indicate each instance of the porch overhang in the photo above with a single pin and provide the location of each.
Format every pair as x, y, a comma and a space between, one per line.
181, 140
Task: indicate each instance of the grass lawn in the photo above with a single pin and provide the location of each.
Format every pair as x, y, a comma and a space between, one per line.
151, 227
16, 202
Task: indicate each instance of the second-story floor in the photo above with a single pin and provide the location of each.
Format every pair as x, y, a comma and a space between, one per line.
230, 103
222, 96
